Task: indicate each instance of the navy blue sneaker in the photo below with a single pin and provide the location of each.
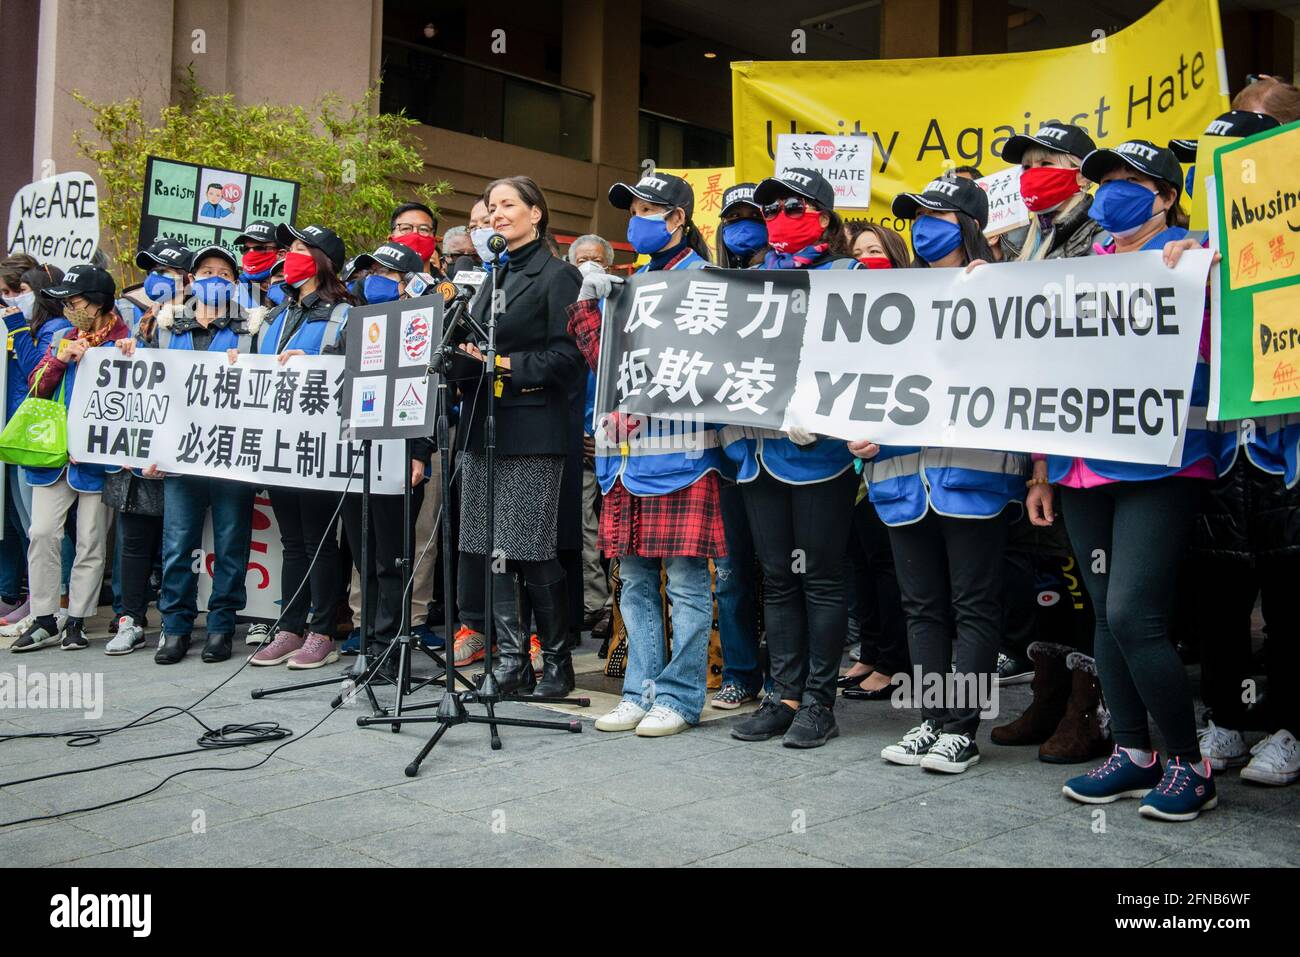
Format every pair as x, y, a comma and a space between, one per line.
1119, 777
429, 638
1182, 794
353, 645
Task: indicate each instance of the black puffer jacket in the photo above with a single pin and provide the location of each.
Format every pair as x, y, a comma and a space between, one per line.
1247, 515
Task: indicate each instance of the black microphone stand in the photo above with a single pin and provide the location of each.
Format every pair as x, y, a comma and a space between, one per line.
451, 709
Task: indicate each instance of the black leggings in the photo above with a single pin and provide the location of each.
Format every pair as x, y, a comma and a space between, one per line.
1128, 537
306, 520
800, 536
950, 576
139, 538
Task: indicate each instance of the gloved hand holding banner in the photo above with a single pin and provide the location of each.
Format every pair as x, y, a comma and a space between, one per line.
1091, 357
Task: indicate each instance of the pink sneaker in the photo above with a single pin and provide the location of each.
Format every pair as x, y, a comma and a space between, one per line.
12, 614
284, 647
317, 650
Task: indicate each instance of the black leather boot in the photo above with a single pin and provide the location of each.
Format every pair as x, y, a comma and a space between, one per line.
171, 649
217, 648
551, 609
514, 670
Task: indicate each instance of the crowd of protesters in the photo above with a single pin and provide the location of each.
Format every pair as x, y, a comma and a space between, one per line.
914, 559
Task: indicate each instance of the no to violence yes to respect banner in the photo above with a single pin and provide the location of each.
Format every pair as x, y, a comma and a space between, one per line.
195, 413
1092, 357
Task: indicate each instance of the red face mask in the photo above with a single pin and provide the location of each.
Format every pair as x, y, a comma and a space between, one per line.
876, 262
297, 267
789, 235
1042, 187
255, 261
424, 246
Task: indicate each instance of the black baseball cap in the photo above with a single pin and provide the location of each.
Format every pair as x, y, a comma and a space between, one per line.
954, 194
260, 231
164, 252
1054, 136
1184, 150
214, 250
662, 189
807, 183
80, 280
740, 194
1238, 123
1142, 155
394, 256
318, 237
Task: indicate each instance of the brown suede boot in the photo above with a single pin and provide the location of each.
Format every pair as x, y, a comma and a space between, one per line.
1084, 732
1051, 688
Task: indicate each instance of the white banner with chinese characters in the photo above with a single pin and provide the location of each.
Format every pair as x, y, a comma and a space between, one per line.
1090, 357
196, 413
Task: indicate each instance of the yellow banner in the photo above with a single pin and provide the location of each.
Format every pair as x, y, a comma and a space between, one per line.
1277, 344
1158, 79
1197, 211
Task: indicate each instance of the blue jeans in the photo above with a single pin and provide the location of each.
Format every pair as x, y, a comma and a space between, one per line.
678, 684
186, 500
737, 610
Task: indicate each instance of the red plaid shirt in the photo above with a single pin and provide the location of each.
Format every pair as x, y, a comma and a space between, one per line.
682, 524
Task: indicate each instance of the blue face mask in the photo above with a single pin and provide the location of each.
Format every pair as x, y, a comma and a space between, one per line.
160, 287
1191, 178
744, 236
275, 293
1122, 206
648, 234
934, 238
379, 289
213, 290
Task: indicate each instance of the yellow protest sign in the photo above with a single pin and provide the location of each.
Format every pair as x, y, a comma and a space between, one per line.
1157, 79
1260, 186
1197, 211
708, 183
1277, 344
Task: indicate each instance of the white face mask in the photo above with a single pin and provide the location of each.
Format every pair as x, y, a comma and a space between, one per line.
22, 302
479, 238
591, 266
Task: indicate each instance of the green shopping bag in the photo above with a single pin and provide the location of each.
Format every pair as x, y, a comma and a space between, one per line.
37, 435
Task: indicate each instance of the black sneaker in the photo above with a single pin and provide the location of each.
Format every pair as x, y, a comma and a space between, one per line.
952, 754
74, 636
914, 746
36, 637
773, 717
1013, 670
813, 725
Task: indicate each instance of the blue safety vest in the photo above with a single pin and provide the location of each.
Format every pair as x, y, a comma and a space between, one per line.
313, 336
1272, 445
1199, 442
82, 476
659, 455
903, 482
753, 449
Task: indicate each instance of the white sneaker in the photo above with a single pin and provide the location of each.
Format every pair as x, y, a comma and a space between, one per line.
259, 633
129, 637
17, 628
1222, 747
623, 718
660, 723
1276, 760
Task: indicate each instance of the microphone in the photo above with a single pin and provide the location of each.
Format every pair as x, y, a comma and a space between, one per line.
496, 244
461, 264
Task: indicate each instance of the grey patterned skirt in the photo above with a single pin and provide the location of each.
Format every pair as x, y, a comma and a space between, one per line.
527, 505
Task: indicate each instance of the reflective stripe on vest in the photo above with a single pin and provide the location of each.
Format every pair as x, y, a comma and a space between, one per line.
903, 482
1271, 443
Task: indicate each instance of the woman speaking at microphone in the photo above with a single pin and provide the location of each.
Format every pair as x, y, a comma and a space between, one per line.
537, 365
799, 493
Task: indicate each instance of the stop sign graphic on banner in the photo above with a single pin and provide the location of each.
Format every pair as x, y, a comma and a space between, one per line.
824, 150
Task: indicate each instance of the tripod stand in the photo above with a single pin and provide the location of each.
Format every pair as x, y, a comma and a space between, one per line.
451, 708
368, 668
